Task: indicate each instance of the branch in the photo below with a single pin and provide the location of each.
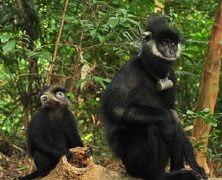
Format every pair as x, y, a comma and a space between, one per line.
104, 44
49, 76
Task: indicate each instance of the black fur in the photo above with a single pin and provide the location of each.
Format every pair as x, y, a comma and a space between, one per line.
140, 121
52, 131
160, 29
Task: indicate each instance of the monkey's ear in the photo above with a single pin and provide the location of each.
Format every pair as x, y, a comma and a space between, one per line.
147, 35
44, 88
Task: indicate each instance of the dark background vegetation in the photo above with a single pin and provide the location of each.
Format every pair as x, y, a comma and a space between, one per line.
97, 38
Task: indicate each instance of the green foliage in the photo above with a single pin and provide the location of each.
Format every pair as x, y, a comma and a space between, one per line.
8, 47
103, 35
40, 54
205, 115
214, 152
97, 79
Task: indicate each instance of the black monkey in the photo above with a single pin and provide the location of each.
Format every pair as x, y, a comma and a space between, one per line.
138, 110
52, 131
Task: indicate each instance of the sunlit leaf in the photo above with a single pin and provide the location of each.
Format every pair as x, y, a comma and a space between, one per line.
188, 128
71, 95
40, 54
9, 46
113, 21
4, 37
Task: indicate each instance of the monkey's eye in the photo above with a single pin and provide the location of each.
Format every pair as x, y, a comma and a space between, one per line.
60, 95
165, 42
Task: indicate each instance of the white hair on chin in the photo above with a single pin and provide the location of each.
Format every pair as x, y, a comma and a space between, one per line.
156, 52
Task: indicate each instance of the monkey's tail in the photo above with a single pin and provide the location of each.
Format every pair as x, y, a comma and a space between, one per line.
31, 176
190, 159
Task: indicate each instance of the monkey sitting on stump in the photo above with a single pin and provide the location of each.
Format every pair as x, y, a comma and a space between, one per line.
52, 131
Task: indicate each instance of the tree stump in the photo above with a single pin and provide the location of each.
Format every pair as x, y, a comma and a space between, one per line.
81, 167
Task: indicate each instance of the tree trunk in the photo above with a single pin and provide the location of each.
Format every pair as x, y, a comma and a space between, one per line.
209, 88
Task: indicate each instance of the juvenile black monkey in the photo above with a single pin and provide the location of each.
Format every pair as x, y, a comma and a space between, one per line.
138, 110
52, 131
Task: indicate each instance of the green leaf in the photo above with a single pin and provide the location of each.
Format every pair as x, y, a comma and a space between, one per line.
113, 21
128, 36
31, 53
5, 37
93, 33
189, 112
101, 38
206, 110
188, 128
211, 120
41, 54
70, 95
88, 137
78, 84
46, 55
133, 22
101, 81
199, 145
9, 46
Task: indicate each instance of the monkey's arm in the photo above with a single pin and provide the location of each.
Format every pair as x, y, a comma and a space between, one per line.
47, 146
74, 139
139, 114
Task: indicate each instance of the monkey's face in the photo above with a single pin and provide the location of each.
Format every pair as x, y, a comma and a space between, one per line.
168, 48
54, 96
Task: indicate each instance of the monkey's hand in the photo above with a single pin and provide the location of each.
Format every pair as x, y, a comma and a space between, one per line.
68, 154
201, 173
88, 152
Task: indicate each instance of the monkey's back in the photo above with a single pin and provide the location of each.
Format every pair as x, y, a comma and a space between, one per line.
48, 122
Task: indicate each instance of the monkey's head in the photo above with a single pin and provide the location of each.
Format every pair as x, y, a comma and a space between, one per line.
54, 96
161, 40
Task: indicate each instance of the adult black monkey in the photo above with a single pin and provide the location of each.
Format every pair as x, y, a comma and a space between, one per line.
138, 110
51, 132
